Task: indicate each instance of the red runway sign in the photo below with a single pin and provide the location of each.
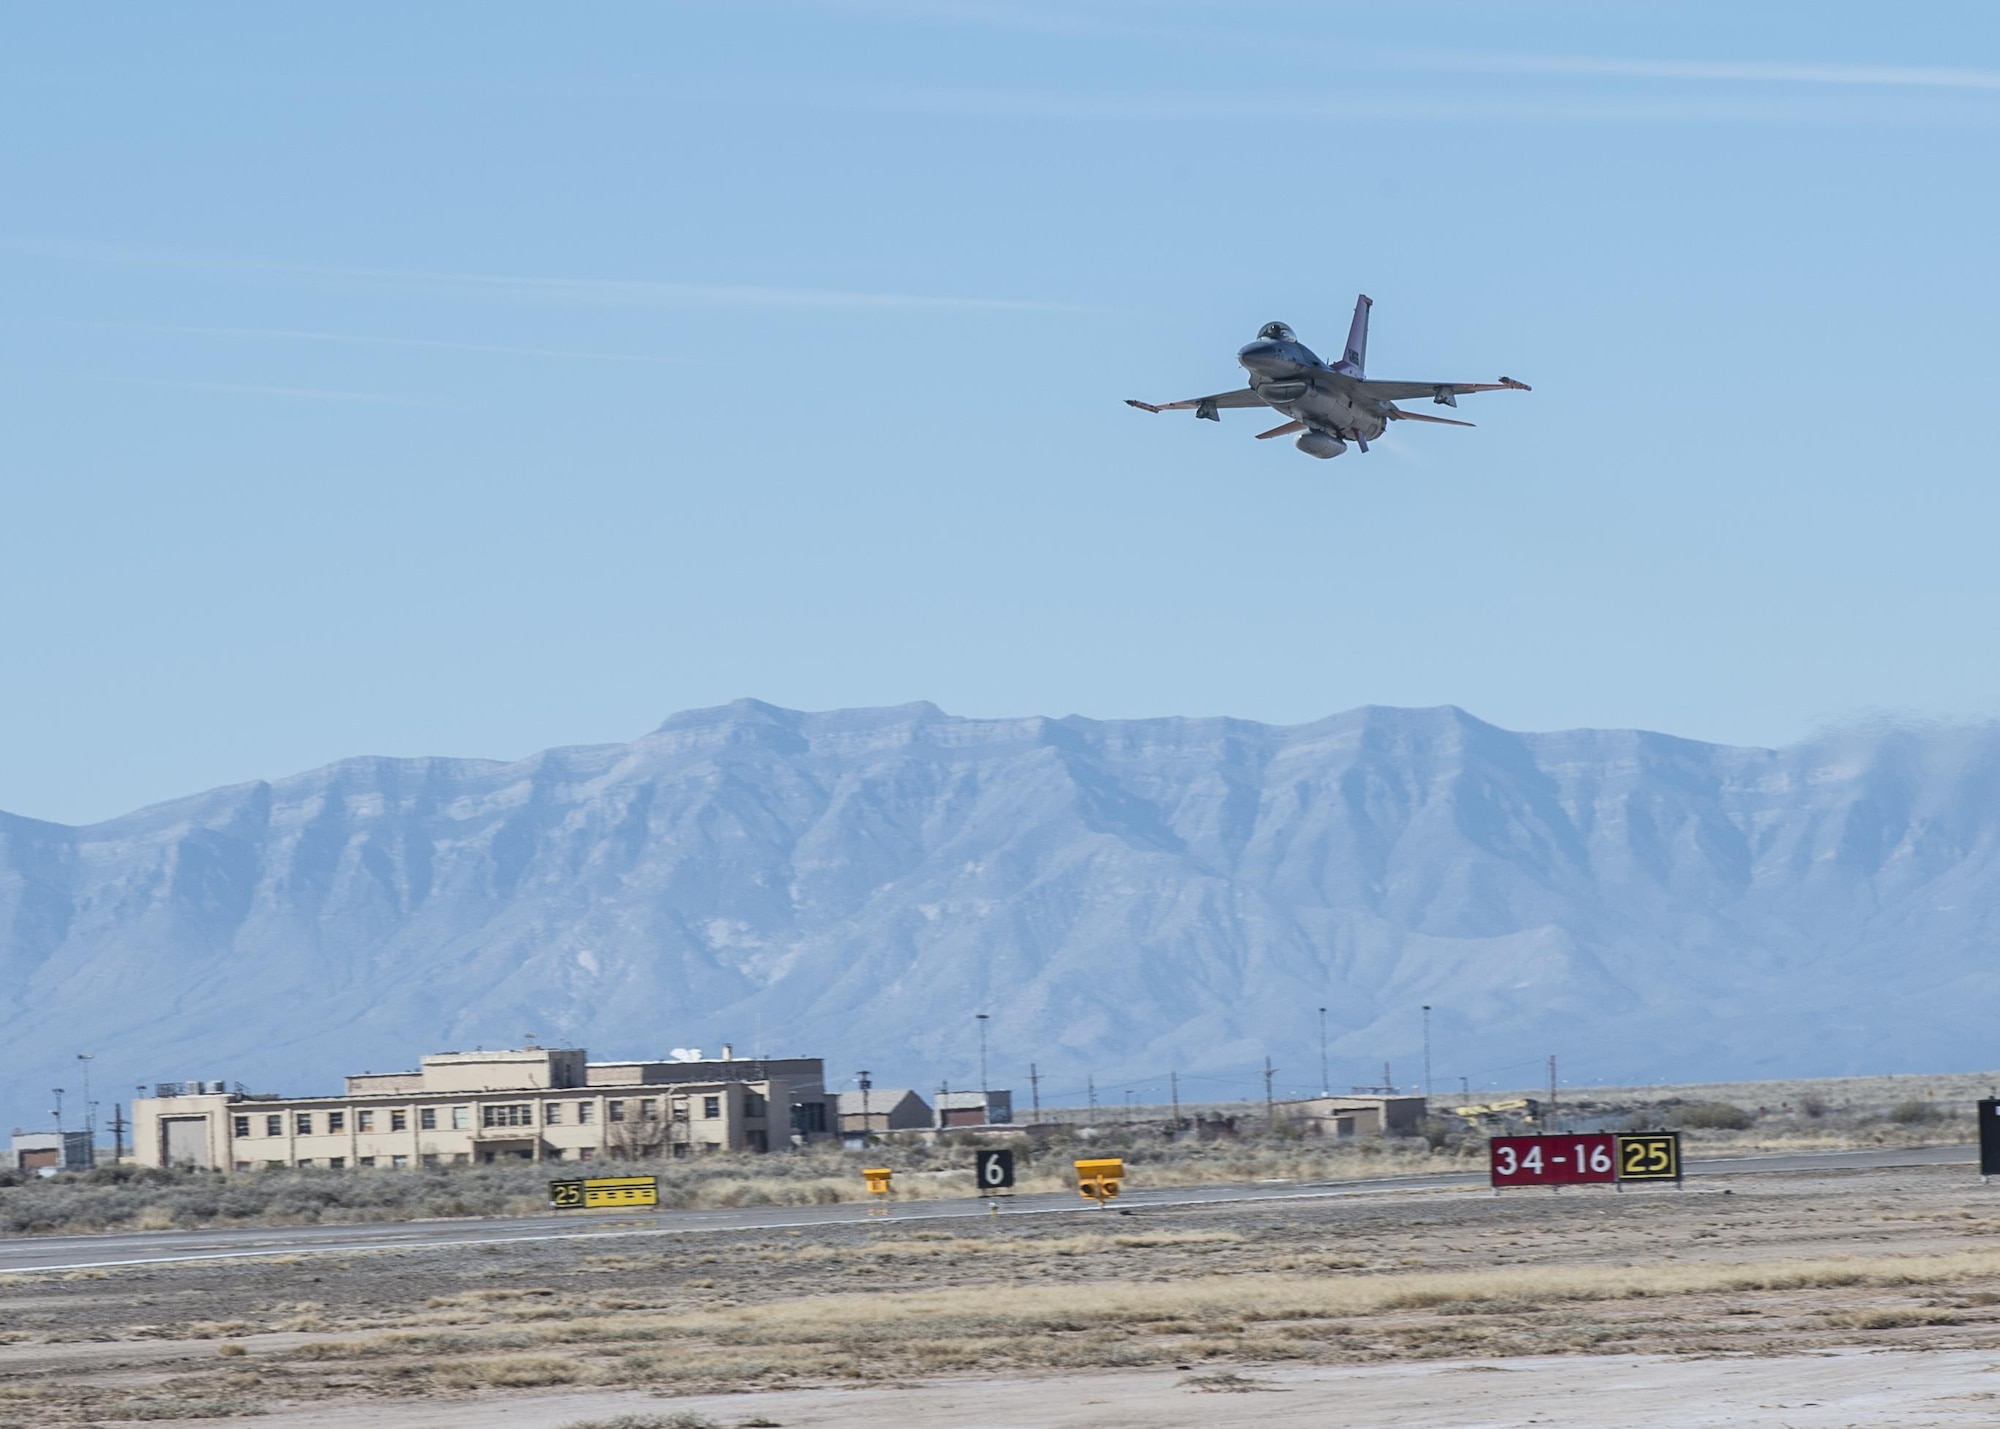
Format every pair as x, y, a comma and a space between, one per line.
1553, 1160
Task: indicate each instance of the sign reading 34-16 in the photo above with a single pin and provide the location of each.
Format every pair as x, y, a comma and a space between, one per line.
1553, 1160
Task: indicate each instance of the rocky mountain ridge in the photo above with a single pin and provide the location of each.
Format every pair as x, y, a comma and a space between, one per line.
1123, 896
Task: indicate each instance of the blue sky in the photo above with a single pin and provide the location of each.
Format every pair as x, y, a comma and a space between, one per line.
471, 379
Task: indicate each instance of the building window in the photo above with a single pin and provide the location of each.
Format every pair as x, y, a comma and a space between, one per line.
753, 1104
399, 1121
616, 1110
304, 1123
242, 1126
508, 1114
365, 1161
461, 1118
243, 1166
588, 1153
305, 1161
430, 1158
336, 1121
554, 1153
427, 1119
461, 1158
649, 1110
364, 1121
711, 1107
274, 1125
585, 1113
338, 1163
399, 1161
552, 1114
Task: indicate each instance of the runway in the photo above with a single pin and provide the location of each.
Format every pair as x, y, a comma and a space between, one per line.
28, 1254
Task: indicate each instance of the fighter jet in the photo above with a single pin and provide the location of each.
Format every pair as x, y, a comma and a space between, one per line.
1329, 405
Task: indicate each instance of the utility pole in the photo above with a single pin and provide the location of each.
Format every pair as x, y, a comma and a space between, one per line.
1174, 1082
1427, 1049
1465, 1087
1325, 1082
1550, 1121
865, 1084
1035, 1088
1128, 1106
1090, 1082
57, 1113
118, 1124
1270, 1105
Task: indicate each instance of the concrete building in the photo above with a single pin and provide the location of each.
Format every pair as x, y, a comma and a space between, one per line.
989, 1108
52, 1151
888, 1109
458, 1108
1357, 1115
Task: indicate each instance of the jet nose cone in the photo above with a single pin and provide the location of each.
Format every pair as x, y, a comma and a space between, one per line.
1258, 354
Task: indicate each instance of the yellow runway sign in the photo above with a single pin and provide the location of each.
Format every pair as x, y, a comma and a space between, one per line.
604, 1193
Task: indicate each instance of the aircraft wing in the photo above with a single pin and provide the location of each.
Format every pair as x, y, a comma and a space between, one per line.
1205, 406
1440, 391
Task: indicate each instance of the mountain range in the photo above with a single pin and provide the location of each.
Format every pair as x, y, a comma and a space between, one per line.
1122, 897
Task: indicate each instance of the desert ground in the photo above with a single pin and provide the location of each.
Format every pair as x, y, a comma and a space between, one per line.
1801, 1298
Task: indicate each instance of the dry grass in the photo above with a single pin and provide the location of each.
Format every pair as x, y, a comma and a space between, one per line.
1031, 1322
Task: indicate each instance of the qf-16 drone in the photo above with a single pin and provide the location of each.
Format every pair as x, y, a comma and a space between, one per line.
1329, 405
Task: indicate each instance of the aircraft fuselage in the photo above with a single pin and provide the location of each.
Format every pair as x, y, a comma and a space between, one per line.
1289, 376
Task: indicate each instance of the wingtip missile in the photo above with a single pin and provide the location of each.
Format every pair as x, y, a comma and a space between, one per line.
1397, 414
1517, 386
1143, 406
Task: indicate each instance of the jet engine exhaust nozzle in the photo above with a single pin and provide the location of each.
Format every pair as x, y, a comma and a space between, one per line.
1321, 445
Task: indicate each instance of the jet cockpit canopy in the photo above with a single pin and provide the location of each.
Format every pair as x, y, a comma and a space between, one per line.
1276, 332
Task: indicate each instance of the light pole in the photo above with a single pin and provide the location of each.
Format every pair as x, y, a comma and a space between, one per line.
1325, 1082
866, 1125
89, 1106
1427, 1049
985, 1100
57, 1113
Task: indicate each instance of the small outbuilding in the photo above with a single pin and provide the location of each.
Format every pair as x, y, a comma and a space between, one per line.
880, 1110
1357, 1115
51, 1151
989, 1108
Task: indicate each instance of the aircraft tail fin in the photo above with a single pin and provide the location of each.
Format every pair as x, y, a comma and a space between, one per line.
1354, 362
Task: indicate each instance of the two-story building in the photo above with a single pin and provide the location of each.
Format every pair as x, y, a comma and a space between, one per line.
460, 1108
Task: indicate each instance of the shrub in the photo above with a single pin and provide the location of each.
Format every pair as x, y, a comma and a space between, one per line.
1713, 1116
1915, 1112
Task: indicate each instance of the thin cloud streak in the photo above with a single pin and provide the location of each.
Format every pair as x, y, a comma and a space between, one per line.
598, 292
419, 342
245, 389
1707, 71
1386, 108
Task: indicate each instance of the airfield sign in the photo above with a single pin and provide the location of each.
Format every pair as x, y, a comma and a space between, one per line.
1650, 1156
996, 1170
1599, 1158
604, 1193
1553, 1160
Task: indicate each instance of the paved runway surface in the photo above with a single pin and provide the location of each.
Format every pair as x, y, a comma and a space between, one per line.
82, 1252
